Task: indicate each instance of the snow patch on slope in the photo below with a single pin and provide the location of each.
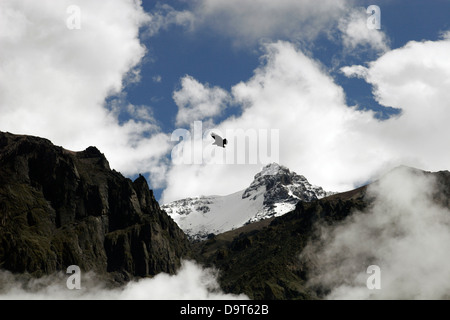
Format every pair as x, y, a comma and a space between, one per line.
274, 191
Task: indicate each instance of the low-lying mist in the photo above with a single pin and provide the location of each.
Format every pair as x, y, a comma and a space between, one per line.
191, 282
404, 232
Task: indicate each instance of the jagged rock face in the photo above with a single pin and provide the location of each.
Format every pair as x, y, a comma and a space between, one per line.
281, 186
59, 208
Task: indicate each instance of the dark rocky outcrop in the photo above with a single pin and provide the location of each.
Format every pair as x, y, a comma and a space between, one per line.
59, 208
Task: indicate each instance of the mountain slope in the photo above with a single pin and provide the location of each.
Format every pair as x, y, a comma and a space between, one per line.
263, 259
274, 191
59, 208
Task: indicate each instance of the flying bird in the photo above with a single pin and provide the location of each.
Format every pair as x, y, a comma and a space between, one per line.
218, 140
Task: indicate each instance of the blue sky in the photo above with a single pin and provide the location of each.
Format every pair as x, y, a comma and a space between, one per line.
348, 103
212, 58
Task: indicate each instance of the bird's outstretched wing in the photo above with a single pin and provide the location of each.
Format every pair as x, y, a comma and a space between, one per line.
218, 140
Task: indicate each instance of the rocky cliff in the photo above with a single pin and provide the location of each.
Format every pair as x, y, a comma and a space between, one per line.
59, 208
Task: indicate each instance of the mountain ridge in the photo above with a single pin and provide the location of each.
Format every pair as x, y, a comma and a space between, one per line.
266, 260
274, 191
59, 207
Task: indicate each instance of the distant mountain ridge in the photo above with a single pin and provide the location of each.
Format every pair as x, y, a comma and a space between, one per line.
274, 191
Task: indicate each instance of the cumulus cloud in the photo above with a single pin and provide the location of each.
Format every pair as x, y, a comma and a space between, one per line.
55, 80
404, 232
415, 79
197, 102
357, 36
192, 282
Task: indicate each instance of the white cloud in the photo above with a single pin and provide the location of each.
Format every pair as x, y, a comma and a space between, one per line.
141, 112
54, 80
192, 282
197, 102
404, 232
248, 21
354, 71
415, 78
165, 16
357, 36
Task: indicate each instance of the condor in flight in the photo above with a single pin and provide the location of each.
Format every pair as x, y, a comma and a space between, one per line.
218, 141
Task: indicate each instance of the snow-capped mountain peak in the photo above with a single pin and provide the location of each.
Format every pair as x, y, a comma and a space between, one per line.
274, 191
280, 184
282, 190
270, 170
